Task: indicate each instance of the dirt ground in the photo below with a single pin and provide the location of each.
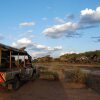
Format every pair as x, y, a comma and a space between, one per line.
48, 90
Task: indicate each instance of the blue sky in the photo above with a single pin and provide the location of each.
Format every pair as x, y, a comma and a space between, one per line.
51, 27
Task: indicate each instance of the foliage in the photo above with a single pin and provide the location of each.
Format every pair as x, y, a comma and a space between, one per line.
42, 69
50, 74
86, 57
43, 59
47, 74
78, 76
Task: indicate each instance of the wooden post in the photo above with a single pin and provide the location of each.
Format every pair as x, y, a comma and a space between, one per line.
18, 59
0, 55
10, 60
24, 60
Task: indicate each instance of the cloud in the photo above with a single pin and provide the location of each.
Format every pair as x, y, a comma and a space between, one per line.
23, 42
24, 24
44, 18
70, 52
58, 31
88, 19
29, 31
46, 51
59, 20
70, 16
35, 48
89, 16
39, 47
40, 54
73, 34
97, 38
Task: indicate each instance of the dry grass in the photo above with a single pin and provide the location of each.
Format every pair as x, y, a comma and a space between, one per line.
47, 74
72, 78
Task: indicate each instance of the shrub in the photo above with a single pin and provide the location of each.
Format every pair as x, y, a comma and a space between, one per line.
42, 69
49, 75
78, 76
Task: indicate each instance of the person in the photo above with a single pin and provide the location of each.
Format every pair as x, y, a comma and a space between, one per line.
28, 63
22, 64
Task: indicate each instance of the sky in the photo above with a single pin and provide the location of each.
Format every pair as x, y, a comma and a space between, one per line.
50, 27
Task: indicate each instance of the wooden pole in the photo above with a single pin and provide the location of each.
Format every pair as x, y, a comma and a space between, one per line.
10, 60
18, 59
24, 60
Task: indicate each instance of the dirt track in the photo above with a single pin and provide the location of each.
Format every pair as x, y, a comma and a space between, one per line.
38, 90
48, 90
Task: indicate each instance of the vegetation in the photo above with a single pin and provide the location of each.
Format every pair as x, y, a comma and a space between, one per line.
90, 57
78, 76
47, 74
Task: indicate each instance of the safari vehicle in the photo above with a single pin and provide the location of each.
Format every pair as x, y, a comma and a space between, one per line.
15, 67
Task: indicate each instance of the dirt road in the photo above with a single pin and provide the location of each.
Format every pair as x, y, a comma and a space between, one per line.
38, 90
48, 90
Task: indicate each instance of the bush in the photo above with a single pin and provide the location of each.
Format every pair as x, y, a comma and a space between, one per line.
78, 76
49, 75
42, 69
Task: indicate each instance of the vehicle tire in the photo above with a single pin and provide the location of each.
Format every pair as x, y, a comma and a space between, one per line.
16, 84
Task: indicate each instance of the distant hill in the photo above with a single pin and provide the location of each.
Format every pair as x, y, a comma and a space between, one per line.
86, 57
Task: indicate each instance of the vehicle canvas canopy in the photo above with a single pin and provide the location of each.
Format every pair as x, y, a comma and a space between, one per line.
9, 54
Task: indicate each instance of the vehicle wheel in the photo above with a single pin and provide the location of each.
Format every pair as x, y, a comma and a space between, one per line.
16, 84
